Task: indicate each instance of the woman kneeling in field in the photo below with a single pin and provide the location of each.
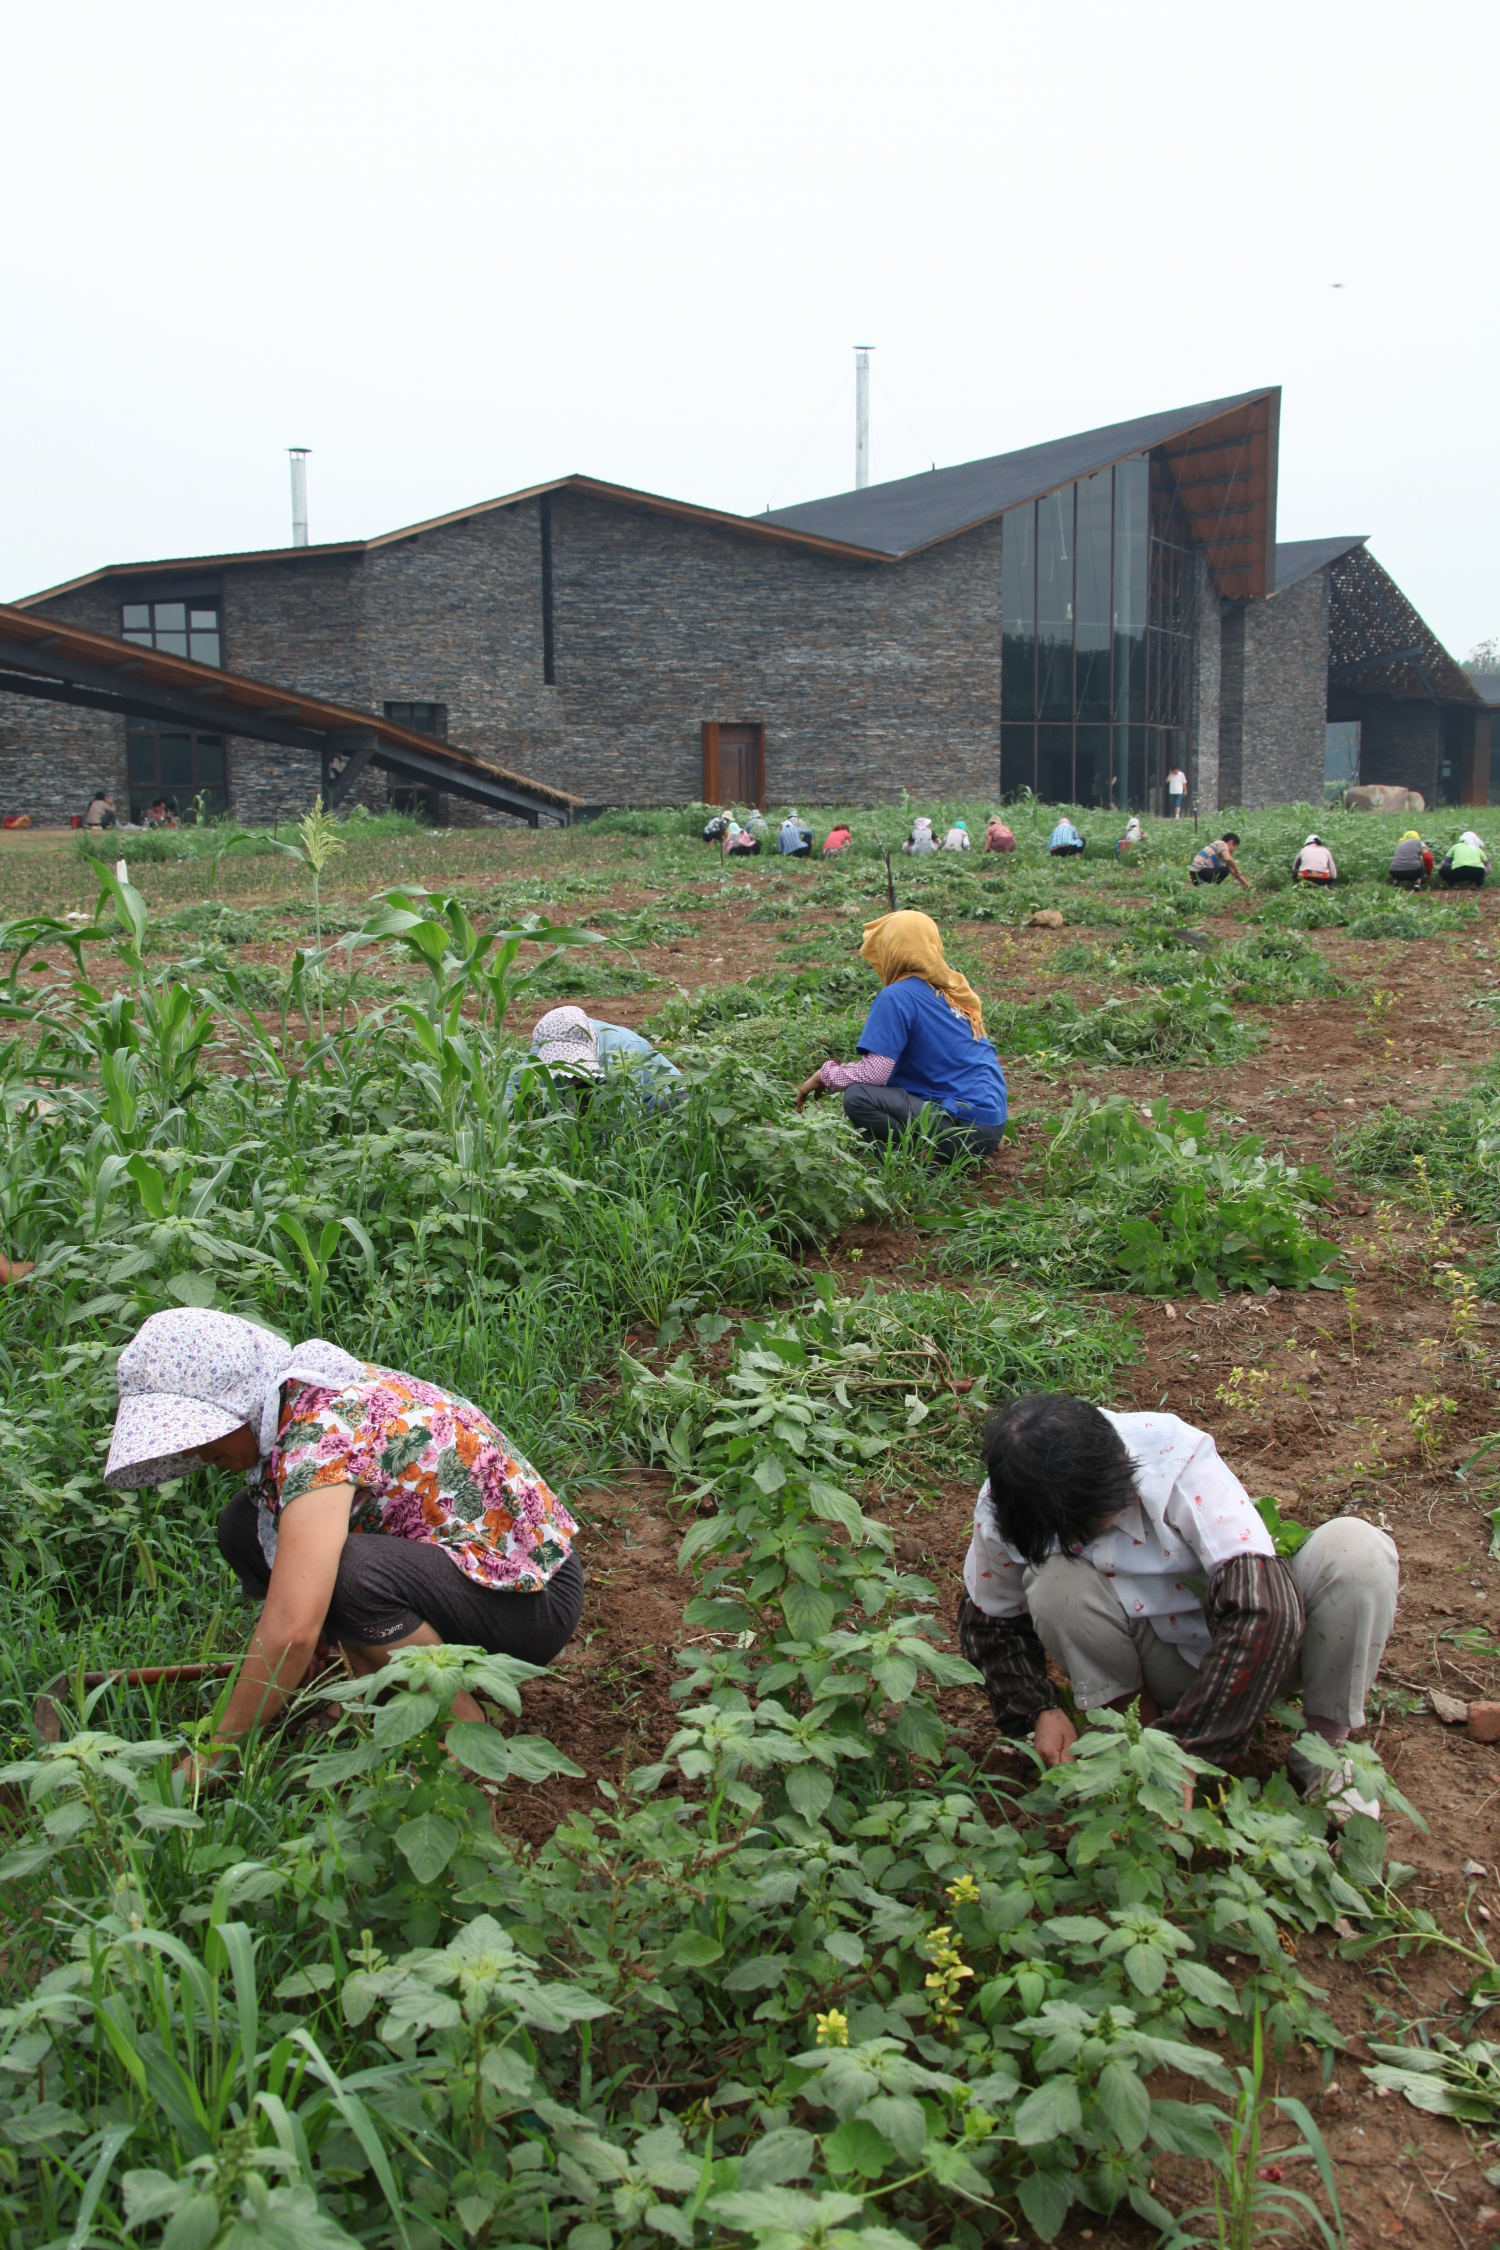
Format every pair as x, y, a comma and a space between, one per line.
382, 1512
923, 1052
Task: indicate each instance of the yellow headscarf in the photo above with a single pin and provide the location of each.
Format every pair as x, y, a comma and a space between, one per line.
1412, 836
911, 945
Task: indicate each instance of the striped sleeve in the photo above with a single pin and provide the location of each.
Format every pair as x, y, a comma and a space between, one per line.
1006, 1650
1254, 1612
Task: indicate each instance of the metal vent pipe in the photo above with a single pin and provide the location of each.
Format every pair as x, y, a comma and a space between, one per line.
862, 415
299, 455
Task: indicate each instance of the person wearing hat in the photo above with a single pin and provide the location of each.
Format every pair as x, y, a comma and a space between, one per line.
1467, 864
1132, 838
923, 1052
999, 836
794, 838
1411, 862
921, 841
382, 1512
570, 1044
957, 838
1315, 863
1065, 842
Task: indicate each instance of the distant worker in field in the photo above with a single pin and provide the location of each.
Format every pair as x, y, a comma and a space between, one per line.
957, 838
101, 810
1466, 865
923, 1052
837, 840
571, 1044
1065, 842
1216, 862
740, 842
716, 828
794, 841
1411, 862
921, 840
1176, 792
459, 1540
1121, 1546
1133, 838
998, 837
1315, 863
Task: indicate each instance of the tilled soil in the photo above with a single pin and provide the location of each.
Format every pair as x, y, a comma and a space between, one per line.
1311, 1399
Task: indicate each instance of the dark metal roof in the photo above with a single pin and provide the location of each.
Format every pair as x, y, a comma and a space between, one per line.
1299, 558
896, 519
1488, 684
64, 664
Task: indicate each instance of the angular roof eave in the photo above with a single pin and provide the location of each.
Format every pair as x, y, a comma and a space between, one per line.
752, 527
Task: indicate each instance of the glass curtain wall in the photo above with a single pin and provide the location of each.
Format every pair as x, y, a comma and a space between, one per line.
1098, 626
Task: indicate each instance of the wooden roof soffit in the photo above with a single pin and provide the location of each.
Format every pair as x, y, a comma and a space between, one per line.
1224, 476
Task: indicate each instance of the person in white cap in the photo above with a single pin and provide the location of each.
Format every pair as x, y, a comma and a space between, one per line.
382, 1512
572, 1044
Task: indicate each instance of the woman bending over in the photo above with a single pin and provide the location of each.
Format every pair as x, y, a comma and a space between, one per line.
382, 1512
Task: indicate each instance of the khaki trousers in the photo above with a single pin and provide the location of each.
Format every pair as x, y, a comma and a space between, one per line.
1347, 1574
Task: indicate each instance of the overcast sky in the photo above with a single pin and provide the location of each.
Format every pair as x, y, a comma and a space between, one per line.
457, 248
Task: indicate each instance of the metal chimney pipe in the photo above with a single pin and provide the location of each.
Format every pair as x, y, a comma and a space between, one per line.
299, 455
862, 415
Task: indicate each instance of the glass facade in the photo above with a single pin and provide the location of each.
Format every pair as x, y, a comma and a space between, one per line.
1097, 594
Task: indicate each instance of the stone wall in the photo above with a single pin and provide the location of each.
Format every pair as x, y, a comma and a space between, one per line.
1274, 697
1399, 741
1203, 712
868, 677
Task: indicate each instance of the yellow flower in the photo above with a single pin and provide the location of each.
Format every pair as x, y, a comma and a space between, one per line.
833, 2029
965, 1892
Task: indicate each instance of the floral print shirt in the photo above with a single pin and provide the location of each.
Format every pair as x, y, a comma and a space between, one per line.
425, 1465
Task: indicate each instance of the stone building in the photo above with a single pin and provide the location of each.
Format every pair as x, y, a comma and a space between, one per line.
1075, 618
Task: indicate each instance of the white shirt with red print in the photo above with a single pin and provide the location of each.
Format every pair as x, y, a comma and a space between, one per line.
1191, 1516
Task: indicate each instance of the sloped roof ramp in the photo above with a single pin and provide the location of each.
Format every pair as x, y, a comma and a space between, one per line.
63, 664
1221, 453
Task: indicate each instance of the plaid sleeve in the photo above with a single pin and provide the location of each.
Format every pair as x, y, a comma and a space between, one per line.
1255, 1614
1006, 1650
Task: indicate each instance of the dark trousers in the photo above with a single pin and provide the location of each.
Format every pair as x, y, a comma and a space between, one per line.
386, 1588
1064, 851
1405, 881
1467, 878
882, 1113
1208, 874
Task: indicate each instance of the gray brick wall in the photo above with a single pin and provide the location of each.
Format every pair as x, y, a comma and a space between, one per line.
1203, 713
1274, 697
868, 677
1399, 741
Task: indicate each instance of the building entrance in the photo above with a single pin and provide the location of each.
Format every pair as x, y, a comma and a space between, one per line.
734, 762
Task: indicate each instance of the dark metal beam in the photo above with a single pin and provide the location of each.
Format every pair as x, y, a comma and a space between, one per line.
100, 688
343, 781
466, 781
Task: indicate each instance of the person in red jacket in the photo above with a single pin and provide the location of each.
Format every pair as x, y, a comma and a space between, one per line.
838, 840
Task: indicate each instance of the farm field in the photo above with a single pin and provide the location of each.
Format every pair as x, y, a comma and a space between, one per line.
751, 1931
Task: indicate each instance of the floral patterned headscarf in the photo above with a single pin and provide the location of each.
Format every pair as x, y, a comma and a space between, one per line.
565, 1039
188, 1377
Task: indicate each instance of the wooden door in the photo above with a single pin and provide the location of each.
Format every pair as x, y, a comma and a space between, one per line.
734, 762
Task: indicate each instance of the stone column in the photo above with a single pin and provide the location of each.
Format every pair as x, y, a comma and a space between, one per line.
1203, 708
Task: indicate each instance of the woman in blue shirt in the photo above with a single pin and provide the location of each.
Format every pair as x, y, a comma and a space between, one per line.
923, 1052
